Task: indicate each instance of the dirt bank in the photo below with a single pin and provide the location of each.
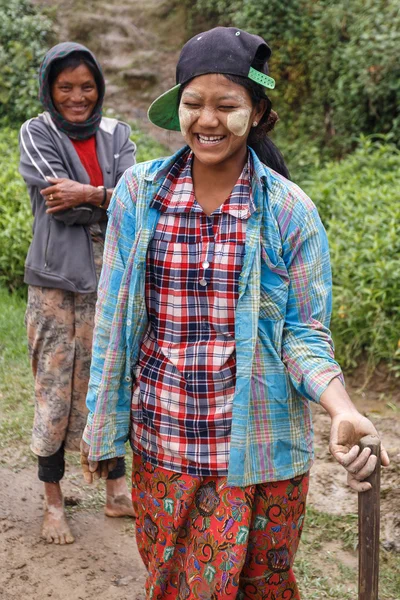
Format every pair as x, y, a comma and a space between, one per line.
137, 43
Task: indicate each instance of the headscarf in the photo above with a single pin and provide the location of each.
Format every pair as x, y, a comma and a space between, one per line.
78, 131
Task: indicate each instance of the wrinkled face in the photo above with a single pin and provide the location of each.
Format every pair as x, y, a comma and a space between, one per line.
216, 116
75, 94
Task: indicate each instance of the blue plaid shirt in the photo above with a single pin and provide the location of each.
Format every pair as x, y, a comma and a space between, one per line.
284, 352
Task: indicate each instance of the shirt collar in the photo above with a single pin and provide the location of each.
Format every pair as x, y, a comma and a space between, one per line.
261, 173
176, 194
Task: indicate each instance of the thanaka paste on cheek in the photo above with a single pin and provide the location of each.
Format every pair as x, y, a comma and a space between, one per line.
187, 116
238, 121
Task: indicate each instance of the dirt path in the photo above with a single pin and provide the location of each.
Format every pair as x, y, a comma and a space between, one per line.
104, 562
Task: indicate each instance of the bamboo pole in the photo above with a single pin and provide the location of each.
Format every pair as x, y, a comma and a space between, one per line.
368, 527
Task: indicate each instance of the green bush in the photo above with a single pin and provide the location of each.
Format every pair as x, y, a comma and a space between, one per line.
358, 200
23, 33
147, 147
15, 213
336, 63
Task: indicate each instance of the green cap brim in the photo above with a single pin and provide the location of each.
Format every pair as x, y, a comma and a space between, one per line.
163, 112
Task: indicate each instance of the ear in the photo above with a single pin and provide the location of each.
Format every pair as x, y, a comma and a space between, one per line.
259, 111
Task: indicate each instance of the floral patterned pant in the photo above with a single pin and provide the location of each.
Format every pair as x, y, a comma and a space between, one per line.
202, 539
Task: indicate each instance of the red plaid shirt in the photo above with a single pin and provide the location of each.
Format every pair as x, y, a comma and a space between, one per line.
185, 377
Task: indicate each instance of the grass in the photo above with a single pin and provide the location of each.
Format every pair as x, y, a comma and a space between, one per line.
16, 383
326, 565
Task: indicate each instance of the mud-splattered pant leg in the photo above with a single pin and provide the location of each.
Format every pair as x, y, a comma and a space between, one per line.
60, 328
275, 530
84, 308
60, 331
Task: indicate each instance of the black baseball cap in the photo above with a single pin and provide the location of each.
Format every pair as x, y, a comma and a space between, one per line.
225, 50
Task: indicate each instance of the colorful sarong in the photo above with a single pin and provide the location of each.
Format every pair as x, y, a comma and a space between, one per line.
202, 539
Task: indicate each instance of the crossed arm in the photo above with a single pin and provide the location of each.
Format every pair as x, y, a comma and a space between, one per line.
64, 194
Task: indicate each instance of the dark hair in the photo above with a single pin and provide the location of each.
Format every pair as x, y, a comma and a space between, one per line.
258, 138
72, 61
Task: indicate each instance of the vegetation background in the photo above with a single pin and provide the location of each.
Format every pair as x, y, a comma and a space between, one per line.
338, 92
338, 95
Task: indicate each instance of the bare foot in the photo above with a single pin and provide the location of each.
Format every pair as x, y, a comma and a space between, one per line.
119, 506
118, 501
55, 528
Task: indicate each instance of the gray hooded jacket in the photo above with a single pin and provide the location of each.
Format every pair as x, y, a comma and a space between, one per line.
61, 253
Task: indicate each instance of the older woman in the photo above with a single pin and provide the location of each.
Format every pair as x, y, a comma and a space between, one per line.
71, 159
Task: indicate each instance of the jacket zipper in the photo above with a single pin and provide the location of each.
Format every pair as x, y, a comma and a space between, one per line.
91, 252
47, 245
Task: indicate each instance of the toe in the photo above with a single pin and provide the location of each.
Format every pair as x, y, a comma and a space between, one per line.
69, 538
48, 535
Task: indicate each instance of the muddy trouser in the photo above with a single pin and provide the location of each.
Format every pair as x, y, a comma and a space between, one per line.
60, 329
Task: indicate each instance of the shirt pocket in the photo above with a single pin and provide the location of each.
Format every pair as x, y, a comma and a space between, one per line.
274, 284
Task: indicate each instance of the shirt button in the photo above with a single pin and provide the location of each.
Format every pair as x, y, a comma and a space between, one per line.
206, 264
129, 322
203, 282
128, 379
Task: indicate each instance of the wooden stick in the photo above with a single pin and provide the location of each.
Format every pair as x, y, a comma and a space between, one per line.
368, 527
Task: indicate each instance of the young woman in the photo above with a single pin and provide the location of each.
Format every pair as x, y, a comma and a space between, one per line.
71, 159
212, 339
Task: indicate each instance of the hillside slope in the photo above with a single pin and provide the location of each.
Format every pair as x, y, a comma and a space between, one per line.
136, 41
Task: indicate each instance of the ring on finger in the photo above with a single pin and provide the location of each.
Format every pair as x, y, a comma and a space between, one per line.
51, 197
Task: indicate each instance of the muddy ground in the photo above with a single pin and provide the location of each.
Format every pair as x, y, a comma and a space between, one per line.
104, 562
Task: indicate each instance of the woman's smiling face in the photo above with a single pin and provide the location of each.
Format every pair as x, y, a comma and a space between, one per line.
75, 93
216, 116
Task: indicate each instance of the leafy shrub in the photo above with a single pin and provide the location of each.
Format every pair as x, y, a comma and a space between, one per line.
15, 213
358, 200
23, 33
336, 63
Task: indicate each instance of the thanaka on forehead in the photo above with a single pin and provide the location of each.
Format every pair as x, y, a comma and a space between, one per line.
226, 96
